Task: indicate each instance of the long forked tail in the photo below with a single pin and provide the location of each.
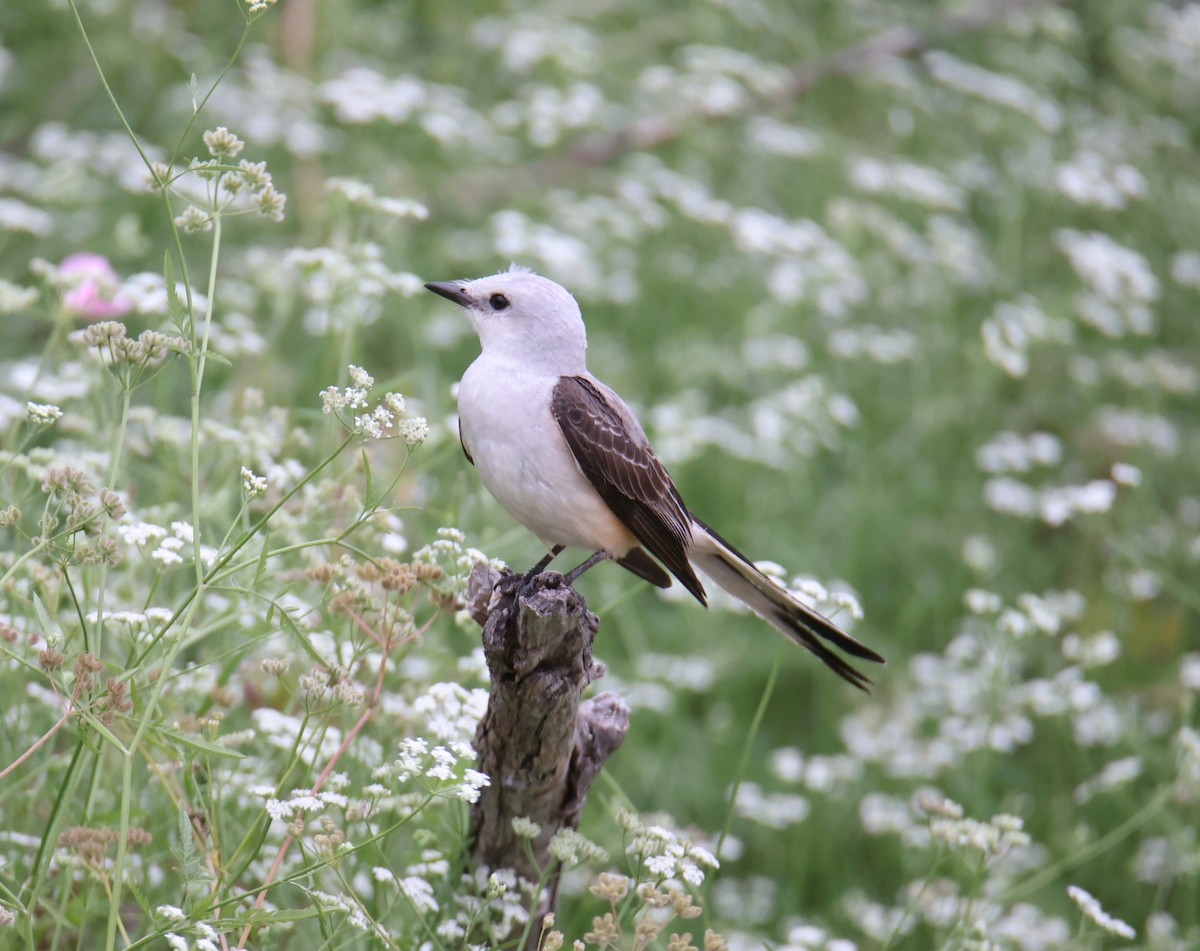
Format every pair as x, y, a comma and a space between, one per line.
734, 572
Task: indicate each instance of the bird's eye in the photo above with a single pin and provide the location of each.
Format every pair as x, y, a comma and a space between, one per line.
498, 302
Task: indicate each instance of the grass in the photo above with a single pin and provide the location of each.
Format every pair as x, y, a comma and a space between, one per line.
809, 301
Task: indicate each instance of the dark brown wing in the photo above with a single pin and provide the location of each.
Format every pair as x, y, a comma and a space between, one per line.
621, 466
642, 565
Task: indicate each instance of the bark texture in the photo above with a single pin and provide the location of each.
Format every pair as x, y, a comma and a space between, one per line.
540, 744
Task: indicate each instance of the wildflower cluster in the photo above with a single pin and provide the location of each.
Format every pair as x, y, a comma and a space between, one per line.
385, 598
1091, 908
439, 770
990, 839
258, 6
343, 287
228, 188
662, 853
89, 846
382, 420
363, 195
451, 554
181, 926
166, 547
638, 917
252, 485
42, 415
125, 357
74, 519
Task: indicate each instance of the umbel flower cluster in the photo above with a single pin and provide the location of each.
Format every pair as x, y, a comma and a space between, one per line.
227, 188
382, 420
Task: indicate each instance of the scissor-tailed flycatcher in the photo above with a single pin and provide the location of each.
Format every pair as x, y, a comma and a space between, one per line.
568, 459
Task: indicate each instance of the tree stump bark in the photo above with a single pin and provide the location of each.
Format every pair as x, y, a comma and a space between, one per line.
540, 745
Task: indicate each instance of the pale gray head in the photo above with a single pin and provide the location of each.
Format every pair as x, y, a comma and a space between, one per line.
524, 316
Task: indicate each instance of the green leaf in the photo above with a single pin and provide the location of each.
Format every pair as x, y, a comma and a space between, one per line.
270, 917
49, 628
294, 629
366, 461
262, 561
187, 846
176, 312
195, 742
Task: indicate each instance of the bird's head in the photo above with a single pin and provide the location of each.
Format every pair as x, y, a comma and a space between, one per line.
522, 315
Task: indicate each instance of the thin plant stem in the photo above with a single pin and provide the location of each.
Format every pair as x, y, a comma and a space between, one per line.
108, 89
238, 546
198, 364
127, 789
114, 467
372, 705
744, 763
1101, 845
199, 107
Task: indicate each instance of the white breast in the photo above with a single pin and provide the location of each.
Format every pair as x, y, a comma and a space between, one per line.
525, 462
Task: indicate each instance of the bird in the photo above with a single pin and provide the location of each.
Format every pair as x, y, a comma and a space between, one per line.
568, 459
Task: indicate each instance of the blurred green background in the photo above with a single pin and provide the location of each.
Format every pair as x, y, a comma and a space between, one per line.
830, 282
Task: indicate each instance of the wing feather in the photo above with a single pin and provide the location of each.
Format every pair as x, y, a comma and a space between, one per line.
614, 454
462, 442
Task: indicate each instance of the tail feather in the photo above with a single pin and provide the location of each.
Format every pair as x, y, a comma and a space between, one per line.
734, 572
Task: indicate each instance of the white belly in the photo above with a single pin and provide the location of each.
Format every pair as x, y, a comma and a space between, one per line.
526, 464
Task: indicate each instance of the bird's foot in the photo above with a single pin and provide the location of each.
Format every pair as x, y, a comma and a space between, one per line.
518, 586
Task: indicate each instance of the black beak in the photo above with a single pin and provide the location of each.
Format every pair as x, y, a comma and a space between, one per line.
450, 291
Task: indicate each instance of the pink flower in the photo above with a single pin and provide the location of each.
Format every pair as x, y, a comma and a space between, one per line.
93, 287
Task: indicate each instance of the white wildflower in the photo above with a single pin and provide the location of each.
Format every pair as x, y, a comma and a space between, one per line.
979, 601
194, 220
252, 485
42, 414
141, 533
525, 828
167, 557
660, 866
1189, 671
413, 431
221, 143
1091, 908
270, 203
1125, 474
571, 848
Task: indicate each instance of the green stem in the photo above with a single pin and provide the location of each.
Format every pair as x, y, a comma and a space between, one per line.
198, 364
119, 439
241, 543
749, 747
41, 861
113, 468
937, 857
108, 89
1090, 851
208, 95
129, 755
21, 559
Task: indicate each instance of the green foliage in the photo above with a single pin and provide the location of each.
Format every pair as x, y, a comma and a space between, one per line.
921, 324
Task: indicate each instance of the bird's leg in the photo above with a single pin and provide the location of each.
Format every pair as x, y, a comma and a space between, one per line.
526, 582
594, 560
519, 584
541, 565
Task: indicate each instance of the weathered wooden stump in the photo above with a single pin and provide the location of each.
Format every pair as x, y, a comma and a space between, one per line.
540, 744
